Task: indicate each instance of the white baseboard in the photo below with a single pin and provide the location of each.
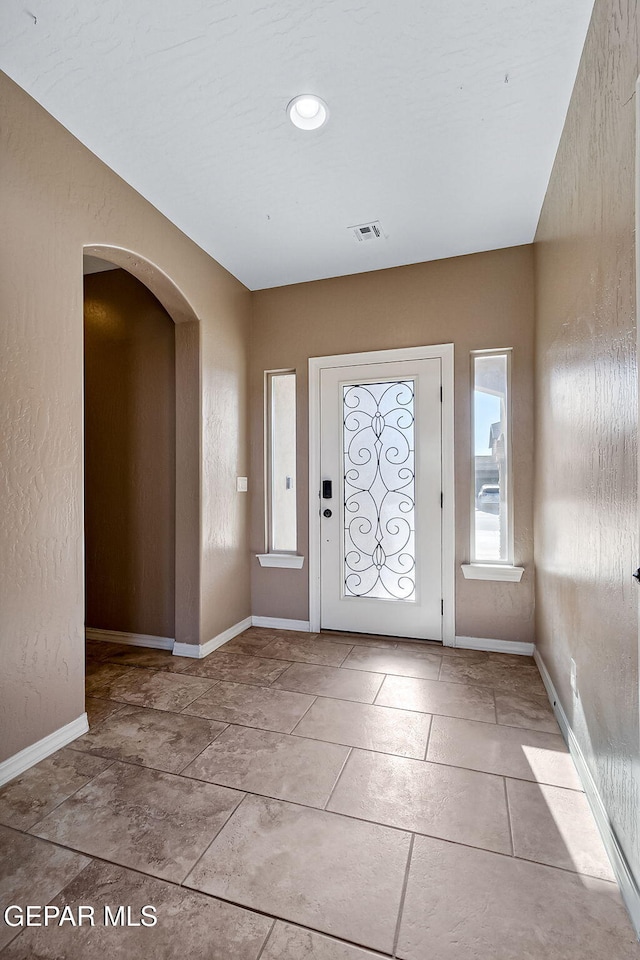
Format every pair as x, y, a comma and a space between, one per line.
277, 624
495, 646
200, 650
624, 876
26, 758
134, 639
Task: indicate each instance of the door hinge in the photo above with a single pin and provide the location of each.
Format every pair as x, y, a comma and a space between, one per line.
440, 394
441, 499
442, 608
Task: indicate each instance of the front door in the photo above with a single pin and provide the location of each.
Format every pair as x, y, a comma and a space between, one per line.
381, 498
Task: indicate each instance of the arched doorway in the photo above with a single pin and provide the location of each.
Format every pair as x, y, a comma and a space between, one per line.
184, 533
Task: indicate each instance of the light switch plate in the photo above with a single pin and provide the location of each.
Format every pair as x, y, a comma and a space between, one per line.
242, 484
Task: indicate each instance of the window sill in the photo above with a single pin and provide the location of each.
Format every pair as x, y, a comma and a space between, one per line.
292, 561
491, 571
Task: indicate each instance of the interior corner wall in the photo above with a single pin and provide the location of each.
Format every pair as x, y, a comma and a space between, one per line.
56, 198
586, 526
477, 302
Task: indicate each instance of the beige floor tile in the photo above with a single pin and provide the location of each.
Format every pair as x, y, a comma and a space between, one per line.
36, 792
404, 663
508, 751
238, 668
190, 925
436, 696
294, 943
521, 676
154, 822
430, 798
246, 644
152, 688
251, 706
270, 633
360, 640
272, 764
314, 868
330, 682
152, 738
467, 904
102, 650
99, 675
307, 651
154, 659
556, 826
516, 710
99, 710
32, 872
370, 727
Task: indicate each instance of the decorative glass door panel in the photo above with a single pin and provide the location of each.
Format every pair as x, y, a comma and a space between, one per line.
381, 520
379, 490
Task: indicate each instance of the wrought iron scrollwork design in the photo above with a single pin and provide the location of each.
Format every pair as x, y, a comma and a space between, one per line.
379, 490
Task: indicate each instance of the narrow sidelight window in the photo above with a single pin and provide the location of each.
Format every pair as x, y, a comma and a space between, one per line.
281, 461
492, 498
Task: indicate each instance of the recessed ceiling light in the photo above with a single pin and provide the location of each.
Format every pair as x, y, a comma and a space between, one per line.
307, 112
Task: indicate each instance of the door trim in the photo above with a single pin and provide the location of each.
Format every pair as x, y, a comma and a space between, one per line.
443, 352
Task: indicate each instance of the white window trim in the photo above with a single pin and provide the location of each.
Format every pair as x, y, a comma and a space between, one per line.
274, 558
491, 571
508, 563
291, 561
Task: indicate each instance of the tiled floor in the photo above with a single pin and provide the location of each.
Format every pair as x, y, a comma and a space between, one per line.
293, 797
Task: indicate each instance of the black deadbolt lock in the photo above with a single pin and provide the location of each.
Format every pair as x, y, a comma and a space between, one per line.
326, 490
326, 513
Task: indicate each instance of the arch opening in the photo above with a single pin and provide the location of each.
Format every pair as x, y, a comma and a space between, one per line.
184, 607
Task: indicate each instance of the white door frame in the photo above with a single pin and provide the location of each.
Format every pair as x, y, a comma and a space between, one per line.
443, 352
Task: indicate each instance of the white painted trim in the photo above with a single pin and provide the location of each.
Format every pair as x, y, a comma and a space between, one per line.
444, 353
200, 650
491, 571
495, 646
277, 624
134, 639
626, 882
291, 561
26, 758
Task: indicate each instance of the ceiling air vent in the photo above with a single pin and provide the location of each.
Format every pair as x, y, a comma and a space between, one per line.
368, 231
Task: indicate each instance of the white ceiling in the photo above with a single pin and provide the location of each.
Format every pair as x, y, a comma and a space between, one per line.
445, 116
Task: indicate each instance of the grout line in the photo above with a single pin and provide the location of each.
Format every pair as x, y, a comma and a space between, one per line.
266, 939
509, 821
382, 753
73, 793
342, 768
299, 721
193, 759
495, 705
347, 654
329, 813
243, 797
426, 746
403, 895
374, 703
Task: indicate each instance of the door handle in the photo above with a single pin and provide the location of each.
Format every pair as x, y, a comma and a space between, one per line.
327, 492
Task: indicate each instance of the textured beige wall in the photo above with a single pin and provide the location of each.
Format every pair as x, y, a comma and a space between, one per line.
55, 198
130, 457
586, 528
476, 302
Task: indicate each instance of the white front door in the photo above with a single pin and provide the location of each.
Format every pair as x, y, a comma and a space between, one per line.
381, 498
